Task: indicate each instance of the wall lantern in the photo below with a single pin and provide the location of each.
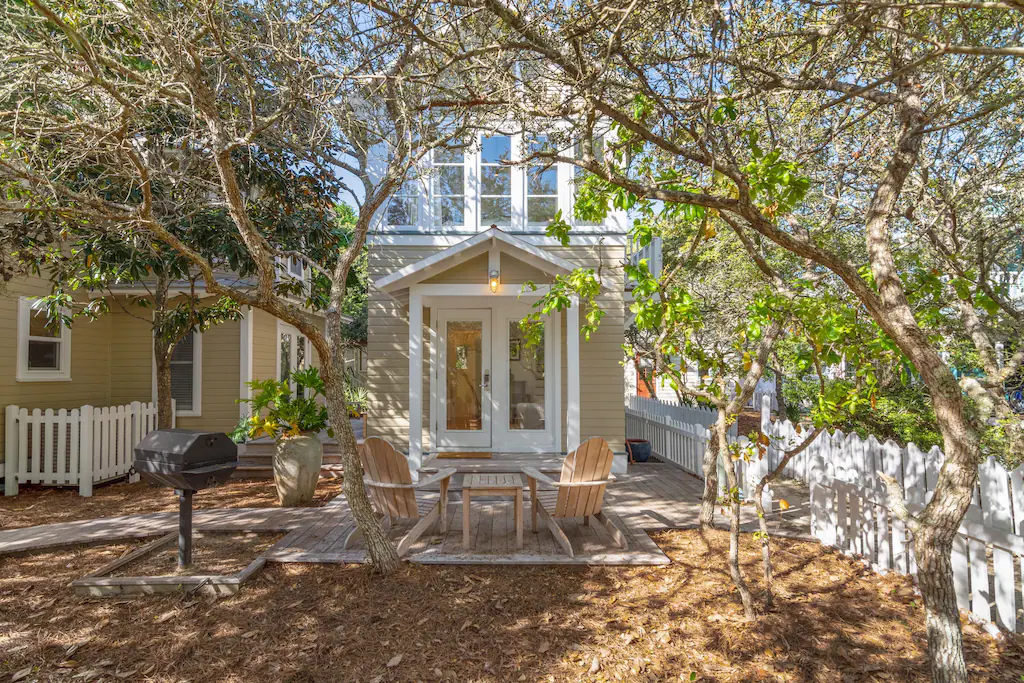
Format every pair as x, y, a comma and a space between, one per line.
493, 276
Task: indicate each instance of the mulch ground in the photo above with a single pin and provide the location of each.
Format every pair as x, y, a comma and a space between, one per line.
45, 505
212, 553
835, 621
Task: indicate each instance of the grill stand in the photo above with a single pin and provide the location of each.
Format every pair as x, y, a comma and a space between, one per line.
184, 527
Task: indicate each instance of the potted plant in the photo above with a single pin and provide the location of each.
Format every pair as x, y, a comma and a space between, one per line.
294, 423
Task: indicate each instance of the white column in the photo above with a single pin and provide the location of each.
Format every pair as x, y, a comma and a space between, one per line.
572, 353
415, 381
245, 359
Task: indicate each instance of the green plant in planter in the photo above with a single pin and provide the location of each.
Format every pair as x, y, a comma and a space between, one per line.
357, 398
277, 412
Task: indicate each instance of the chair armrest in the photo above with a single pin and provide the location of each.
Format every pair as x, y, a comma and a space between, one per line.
534, 473
574, 484
384, 484
436, 477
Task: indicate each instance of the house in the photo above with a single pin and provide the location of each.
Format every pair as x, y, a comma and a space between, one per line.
446, 353
108, 364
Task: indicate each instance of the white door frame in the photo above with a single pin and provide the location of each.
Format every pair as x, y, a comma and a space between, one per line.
462, 440
502, 309
286, 328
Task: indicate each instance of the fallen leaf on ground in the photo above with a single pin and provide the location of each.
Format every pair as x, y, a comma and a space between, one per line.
394, 661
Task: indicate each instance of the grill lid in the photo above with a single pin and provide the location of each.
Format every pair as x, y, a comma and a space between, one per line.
185, 448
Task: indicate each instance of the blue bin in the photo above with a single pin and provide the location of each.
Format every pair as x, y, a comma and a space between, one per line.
639, 450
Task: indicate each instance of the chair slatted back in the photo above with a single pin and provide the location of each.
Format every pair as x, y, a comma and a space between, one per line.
591, 461
382, 463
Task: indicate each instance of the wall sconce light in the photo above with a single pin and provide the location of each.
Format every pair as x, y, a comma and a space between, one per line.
493, 277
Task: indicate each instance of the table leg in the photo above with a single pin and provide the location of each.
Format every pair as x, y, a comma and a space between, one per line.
533, 503
519, 519
465, 518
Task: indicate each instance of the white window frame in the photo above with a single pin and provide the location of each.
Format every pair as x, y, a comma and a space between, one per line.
24, 373
197, 379
433, 213
532, 225
402, 193
516, 183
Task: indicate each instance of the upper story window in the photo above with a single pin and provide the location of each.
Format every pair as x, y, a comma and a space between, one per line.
44, 347
404, 207
495, 181
541, 187
579, 175
448, 188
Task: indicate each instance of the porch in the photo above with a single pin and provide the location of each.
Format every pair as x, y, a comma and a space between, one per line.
648, 497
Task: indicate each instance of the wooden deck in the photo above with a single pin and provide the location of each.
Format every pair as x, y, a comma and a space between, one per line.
649, 497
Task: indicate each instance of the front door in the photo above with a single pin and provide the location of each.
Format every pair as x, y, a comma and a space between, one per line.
464, 373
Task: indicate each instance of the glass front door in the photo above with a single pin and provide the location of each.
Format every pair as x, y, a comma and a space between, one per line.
464, 374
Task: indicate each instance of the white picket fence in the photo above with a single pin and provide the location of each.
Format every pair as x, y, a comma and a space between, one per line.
850, 511
679, 434
82, 446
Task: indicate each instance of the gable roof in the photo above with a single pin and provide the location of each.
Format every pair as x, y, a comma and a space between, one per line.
480, 243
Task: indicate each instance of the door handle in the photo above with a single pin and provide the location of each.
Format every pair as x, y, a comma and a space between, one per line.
487, 380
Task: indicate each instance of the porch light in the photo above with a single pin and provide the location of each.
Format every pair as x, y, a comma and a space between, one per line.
493, 275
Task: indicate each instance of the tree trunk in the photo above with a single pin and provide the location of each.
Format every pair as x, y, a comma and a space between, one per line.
380, 550
710, 497
164, 412
932, 551
734, 524
780, 397
766, 548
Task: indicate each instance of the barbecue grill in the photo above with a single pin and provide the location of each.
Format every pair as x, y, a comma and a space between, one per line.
187, 461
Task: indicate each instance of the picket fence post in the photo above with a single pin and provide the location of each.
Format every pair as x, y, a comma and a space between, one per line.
11, 472
85, 453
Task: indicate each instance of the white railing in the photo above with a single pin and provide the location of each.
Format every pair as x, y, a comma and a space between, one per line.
679, 434
850, 511
652, 252
82, 446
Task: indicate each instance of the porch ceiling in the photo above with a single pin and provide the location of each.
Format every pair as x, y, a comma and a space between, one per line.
400, 280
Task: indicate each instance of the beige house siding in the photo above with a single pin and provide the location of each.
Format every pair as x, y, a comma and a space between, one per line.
221, 368
131, 347
601, 381
90, 359
264, 345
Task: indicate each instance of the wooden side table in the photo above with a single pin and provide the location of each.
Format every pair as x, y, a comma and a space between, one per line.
492, 485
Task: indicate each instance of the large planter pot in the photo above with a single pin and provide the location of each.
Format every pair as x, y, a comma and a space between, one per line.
297, 462
639, 450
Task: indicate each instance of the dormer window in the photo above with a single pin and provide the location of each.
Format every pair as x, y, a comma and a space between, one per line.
496, 181
448, 188
404, 207
541, 188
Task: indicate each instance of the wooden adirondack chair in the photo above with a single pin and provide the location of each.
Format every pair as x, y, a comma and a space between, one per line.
393, 494
579, 491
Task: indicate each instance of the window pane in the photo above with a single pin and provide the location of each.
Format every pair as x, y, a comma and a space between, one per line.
526, 381
449, 156
541, 209
181, 385
286, 358
542, 181
496, 210
496, 149
449, 180
402, 211
43, 355
183, 350
494, 180
40, 326
449, 211
464, 359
